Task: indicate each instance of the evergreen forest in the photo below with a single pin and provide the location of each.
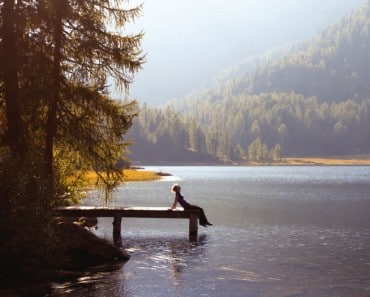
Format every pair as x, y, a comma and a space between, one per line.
311, 99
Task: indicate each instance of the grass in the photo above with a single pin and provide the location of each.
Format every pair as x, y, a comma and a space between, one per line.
129, 175
354, 160
140, 175
348, 160
89, 178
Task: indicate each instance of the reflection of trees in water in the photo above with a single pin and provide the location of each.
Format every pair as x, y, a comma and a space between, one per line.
172, 256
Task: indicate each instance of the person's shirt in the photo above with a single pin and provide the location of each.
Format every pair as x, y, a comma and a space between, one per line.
181, 200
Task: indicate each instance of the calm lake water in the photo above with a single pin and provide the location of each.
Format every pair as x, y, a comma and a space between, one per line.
278, 231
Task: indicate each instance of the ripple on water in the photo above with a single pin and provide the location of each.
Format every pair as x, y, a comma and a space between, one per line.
279, 232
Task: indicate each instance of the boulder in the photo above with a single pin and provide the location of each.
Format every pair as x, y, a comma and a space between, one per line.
84, 247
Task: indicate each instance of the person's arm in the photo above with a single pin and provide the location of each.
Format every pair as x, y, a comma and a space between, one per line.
174, 203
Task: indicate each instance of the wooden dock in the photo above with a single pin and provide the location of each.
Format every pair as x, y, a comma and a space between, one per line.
132, 212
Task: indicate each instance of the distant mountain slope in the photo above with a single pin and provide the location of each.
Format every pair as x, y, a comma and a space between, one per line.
312, 101
334, 66
187, 42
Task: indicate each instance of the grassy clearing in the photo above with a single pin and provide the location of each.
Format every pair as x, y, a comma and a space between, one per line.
90, 178
140, 175
350, 160
129, 175
354, 160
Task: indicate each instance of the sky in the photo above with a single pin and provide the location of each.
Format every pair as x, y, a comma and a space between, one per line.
189, 42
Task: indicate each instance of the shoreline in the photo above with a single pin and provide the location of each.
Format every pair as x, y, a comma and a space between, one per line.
289, 161
334, 161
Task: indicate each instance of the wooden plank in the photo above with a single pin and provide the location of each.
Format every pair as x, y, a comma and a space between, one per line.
137, 212
117, 229
193, 227
134, 212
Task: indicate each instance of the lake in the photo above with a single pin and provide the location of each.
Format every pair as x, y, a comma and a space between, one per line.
278, 231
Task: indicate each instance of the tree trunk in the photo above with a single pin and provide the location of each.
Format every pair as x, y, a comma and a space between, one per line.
51, 126
15, 137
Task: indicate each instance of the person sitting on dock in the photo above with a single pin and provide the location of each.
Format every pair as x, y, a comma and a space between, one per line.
187, 206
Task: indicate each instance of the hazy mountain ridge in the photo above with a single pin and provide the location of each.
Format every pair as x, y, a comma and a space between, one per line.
340, 57
313, 101
188, 42
333, 66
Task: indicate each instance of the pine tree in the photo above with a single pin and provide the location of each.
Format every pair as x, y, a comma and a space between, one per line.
56, 58
86, 52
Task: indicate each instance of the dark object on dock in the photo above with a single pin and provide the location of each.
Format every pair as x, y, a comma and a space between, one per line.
86, 222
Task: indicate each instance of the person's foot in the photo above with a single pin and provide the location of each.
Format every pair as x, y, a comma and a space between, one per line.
209, 224
204, 225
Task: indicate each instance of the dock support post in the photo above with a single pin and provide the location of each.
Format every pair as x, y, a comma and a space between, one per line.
117, 229
193, 227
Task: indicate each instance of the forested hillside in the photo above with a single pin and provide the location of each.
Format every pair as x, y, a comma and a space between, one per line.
313, 101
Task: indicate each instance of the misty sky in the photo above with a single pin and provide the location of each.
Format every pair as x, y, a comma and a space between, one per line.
188, 42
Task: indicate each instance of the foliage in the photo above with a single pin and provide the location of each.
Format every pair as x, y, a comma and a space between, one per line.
55, 113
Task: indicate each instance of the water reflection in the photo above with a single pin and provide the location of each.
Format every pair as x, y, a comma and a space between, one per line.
85, 283
168, 258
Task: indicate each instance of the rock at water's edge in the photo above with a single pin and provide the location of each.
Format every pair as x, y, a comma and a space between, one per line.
85, 246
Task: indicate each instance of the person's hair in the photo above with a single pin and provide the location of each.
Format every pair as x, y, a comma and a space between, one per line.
175, 188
